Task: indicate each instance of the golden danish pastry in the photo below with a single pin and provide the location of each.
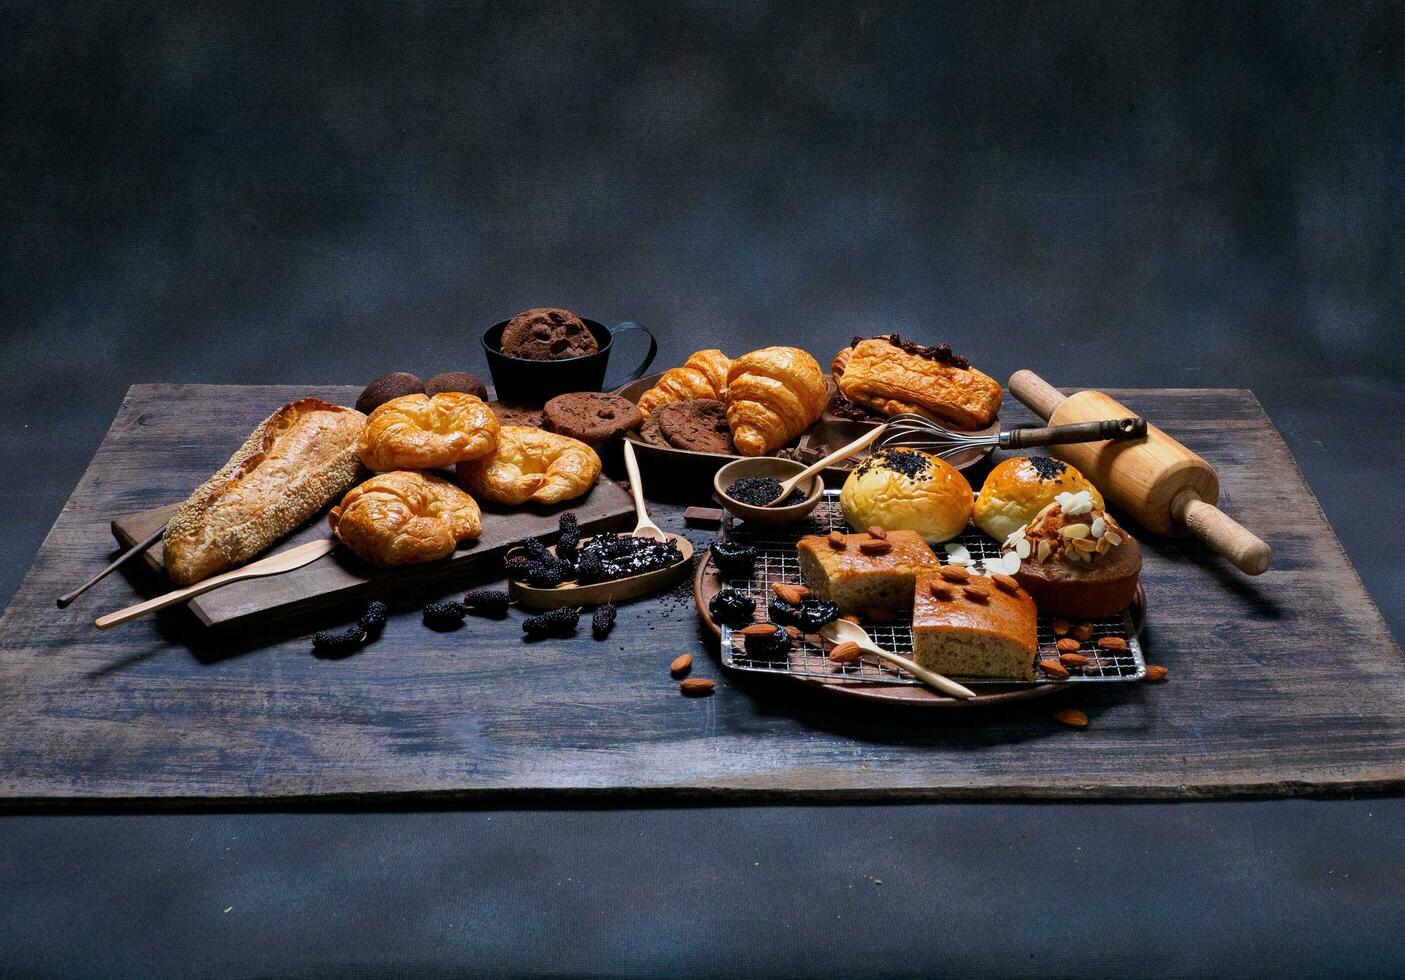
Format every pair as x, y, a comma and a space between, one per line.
405, 518
419, 432
890, 376
531, 464
773, 395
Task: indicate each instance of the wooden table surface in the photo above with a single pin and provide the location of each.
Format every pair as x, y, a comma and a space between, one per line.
1283, 684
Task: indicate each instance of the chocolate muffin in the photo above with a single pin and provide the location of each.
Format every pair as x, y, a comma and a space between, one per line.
591, 416
393, 385
547, 334
699, 424
1076, 560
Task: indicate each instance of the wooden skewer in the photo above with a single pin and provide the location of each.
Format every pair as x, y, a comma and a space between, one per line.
64, 601
283, 561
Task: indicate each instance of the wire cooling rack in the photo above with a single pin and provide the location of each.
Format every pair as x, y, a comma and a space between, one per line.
776, 563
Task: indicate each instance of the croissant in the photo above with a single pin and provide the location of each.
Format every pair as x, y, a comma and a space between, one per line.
703, 375
891, 376
773, 395
531, 464
419, 432
404, 518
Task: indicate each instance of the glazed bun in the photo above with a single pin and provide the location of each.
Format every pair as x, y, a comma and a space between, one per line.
1021, 487
907, 489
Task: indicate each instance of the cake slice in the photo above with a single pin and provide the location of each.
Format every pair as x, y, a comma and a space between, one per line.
976, 628
858, 572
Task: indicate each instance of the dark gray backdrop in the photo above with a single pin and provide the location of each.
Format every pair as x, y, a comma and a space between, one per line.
1115, 194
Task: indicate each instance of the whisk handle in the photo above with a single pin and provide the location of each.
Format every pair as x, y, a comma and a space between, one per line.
1049, 435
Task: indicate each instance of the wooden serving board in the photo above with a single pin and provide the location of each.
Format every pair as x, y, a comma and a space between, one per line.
341, 578
1285, 684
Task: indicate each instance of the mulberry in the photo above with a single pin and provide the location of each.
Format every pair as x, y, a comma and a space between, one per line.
486, 602
602, 621
373, 619
558, 622
444, 615
339, 644
546, 575
517, 566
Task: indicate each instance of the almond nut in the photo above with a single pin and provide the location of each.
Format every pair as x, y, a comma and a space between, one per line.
1112, 643
940, 590
1054, 669
695, 687
1067, 645
793, 631
975, 594
837, 541
1155, 672
851, 618
874, 531
681, 665
875, 546
1071, 717
789, 592
844, 653
759, 629
1074, 660
954, 573
1061, 627
1082, 631
1006, 582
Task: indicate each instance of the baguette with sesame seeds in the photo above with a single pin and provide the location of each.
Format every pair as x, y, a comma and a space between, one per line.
299, 459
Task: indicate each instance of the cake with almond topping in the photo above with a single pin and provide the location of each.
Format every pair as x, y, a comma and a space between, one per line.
1076, 560
860, 572
976, 627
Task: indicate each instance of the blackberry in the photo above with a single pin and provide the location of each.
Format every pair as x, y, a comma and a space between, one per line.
344, 643
486, 602
772, 646
735, 560
731, 608
536, 551
546, 575
558, 622
444, 615
517, 566
602, 621
373, 619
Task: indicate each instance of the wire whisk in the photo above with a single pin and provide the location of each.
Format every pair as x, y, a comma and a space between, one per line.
913, 431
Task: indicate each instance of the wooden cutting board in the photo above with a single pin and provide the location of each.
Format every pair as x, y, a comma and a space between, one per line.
341, 579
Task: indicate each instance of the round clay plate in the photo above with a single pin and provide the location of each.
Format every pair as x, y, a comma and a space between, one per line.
707, 583
826, 435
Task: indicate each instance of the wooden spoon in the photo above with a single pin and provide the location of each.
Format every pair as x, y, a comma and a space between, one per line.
572, 594
843, 452
283, 561
841, 630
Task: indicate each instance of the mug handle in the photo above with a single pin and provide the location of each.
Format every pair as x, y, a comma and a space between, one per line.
626, 327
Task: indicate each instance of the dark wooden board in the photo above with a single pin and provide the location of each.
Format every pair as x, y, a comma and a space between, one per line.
340, 579
1285, 684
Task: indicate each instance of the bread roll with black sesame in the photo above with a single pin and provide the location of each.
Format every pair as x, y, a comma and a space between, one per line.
1021, 487
908, 489
298, 460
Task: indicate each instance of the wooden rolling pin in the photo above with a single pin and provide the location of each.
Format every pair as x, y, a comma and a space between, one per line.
1165, 486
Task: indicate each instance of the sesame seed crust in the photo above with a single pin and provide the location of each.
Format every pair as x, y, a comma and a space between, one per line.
296, 462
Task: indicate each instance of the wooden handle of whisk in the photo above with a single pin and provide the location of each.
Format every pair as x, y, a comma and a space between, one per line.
1052, 435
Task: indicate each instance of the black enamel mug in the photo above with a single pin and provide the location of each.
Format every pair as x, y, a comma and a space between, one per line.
517, 380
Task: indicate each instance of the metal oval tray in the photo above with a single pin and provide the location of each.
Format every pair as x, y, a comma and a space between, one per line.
826, 435
808, 663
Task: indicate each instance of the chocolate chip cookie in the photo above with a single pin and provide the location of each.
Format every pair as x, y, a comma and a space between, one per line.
591, 416
649, 432
547, 334
699, 425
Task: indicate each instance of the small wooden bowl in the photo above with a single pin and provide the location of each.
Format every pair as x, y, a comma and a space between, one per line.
613, 590
779, 469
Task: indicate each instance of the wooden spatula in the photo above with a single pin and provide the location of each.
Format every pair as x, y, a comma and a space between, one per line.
283, 561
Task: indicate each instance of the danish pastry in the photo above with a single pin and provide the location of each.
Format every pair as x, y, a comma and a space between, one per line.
405, 518
422, 432
890, 375
297, 461
703, 375
531, 464
773, 394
